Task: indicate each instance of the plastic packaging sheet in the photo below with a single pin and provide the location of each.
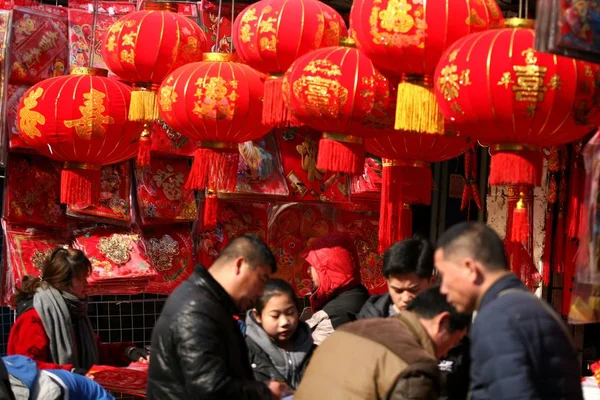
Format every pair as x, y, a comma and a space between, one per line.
585, 301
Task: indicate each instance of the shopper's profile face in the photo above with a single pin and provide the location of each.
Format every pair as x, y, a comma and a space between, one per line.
456, 283
252, 282
404, 287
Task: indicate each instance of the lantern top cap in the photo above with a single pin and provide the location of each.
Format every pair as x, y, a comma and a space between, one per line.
89, 71
160, 6
347, 42
519, 23
219, 57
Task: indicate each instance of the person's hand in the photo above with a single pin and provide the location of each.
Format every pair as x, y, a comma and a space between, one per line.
277, 388
90, 376
135, 354
143, 360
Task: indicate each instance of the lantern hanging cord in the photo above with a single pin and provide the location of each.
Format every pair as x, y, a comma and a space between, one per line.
232, 20
93, 41
218, 49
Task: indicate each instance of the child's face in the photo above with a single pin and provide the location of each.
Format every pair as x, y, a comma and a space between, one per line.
279, 318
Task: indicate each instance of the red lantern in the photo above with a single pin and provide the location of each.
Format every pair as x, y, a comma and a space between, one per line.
406, 177
80, 119
217, 103
405, 39
145, 46
338, 91
271, 34
522, 101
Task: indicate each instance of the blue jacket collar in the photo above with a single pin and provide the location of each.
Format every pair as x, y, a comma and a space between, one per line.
509, 281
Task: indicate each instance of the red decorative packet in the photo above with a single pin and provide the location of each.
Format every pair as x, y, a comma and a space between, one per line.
235, 219
259, 170
118, 257
299, 148
27, 248
130, 380
167, 142
32, 192
210, 19
291, 228
5, 19
80, 29
115, 197
161, 193
39, 44
13, 98
364, 230
170, 252
368, 185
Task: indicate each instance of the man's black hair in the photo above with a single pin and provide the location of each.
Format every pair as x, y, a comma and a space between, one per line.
410, 256
475, 240
254, 250
431, 303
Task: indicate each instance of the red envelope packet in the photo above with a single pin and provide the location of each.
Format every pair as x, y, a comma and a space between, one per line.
80, 30
39, 44
13, 98
367, 185
161, 193
170, 252
115, 197
364, 230
27, 248
167, 142
235, 219
259, 170
114, 253
299, 148
210, 19
32, 193
291, 228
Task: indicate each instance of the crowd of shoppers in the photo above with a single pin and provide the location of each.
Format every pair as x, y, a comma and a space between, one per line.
478, 333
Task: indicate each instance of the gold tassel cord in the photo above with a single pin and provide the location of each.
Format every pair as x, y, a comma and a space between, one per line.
143, 106
417, 109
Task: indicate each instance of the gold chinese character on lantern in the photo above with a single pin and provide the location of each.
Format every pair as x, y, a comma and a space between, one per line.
530, 79
322, 96
92, 119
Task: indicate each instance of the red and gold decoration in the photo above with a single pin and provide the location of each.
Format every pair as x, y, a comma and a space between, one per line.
406, 38
471, 189
217, 103
338, 91
81, 120
406, 177
270, 35
145, 46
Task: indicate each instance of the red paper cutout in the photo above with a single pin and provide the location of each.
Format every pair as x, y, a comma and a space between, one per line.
33, 191
298, 148
115, 196
364, 230
162, 196
291, 228
169, 250
39, 44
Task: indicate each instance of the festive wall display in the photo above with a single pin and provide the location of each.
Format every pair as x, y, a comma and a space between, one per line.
14, 94
161, 193
5, 23
219, 29
114, 205
170, 143
39, 44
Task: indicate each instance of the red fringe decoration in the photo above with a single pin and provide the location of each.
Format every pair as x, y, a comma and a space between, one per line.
559, 243
395, 218
546, 257
80, 186
275, 110
417, 183
144, 149
519, 237
522, 168
577, 184
211, 211
211, 163
336, 156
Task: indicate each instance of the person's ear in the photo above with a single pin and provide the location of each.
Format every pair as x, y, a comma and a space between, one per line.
256, 316
443, 323
472, 270
239, 263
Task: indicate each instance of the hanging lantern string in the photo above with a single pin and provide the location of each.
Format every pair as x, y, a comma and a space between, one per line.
94, 23
231, 23
218, 49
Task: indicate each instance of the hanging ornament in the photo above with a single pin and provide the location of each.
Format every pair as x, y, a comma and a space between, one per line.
81, 120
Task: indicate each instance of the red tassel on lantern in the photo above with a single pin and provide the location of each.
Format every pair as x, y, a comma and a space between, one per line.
519, 235
211, 209
80, 184
395, 220
275, 110
214, 163
576, 190
522, 167
546, 258
341, 153
145, 148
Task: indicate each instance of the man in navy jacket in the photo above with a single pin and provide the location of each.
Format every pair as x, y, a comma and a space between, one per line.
520, 348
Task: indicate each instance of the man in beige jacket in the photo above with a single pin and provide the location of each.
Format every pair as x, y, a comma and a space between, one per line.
394, 358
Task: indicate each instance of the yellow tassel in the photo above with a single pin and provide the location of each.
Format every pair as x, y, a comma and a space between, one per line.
417, 110
143, 106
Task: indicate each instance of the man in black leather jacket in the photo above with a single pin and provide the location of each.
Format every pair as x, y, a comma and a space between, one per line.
198, 351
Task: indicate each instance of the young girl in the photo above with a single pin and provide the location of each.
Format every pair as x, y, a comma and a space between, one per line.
279, 344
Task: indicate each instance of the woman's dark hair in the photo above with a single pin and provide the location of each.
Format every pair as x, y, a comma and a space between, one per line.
275, 287
58, 271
